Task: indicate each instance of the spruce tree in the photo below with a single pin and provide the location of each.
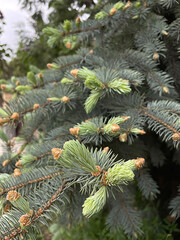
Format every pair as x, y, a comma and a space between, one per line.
96, 123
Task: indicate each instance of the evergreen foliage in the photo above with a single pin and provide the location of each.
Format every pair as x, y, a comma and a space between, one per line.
91, 121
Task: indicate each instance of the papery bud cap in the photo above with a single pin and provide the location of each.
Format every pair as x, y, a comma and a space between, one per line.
13, 196
139, 162
56, 152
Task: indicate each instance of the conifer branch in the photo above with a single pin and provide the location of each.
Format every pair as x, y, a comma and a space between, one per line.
81, 30
161, 122
14, 232
22, 181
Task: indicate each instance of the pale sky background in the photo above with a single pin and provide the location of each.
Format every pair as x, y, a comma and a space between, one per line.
16, 18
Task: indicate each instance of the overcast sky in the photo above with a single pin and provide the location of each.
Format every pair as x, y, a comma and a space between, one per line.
15, 18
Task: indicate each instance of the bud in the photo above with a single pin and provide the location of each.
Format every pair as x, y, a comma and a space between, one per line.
135, 17
54, 99
65, 99
105, 150
36, 106
141, 132
54, 66
15, 116
5, 163
78, 19
56, 152
156, 56
68, 45
25, 220
78, 22
74, 72
112, 11
91, 51
19, 152
100, 15
128, 4
49, 65
123, 137
119, 174
165, 89
164, 32
119, 5
18, 163
176, 136
139, 162
130, 164
137, 131
23, 88
40, 75
13, 196
66, 80
26, 159
74, 131
18, 83
125, 118
95, 203
97, 173
67, 25
125, 81
18, 201
115, 128
31, 78
104, 178
17, 172
137, 4
3, 86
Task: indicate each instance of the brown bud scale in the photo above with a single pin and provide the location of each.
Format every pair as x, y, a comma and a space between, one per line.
65, 99
5, 163
139, 162
176, 136
36, 106
25, 220
15, 116
17, 172
74, 72
56, 152
105, 149
113, 11
13, 196
123, 137
68, 45
96, 174
74, 131
115, 128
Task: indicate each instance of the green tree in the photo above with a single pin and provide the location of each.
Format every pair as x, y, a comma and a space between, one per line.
34, 51
100, 128
4, 52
